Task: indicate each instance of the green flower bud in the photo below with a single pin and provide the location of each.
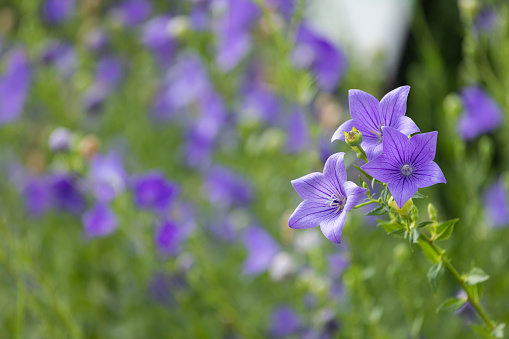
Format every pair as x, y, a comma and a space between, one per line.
353, 138
432, 212
403, 211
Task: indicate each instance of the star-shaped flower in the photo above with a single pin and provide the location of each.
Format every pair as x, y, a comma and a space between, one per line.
327, 198
406, 164
369, 116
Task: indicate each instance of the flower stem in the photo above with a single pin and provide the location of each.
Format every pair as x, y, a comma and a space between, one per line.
366, 203
450, 267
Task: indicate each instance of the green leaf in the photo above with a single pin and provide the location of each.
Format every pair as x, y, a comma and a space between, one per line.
434, 274
451, 304
428, 251
444, 229
482, 331
365, 174
390, 226
418, 195
476, 276
424, 223
384, 194
413, 236
379, 210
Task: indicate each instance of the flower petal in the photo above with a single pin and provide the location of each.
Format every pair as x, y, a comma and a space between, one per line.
423, 147
365, 108
383, 169
428, 174
393, 105
372, 149
395, 145
333, 227
406, 126
310, 214
354, 194
345, 127
402, 190
335, 171
313, 187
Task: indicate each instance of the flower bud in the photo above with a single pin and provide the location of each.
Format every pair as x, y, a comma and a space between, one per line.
403, 211
432, 212
354, 137
60, 140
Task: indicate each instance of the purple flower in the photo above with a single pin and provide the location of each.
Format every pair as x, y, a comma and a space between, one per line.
224, 187
325, 60
285, 7
327, 197
109, 72
62, 56
284, 322
369, 116
107, 176
497, 204
158, 40
485, 20
261, 249
407, 164
132, 12
100, 221
153, 192
337, 263
60, 140
55, 12
14, 86
36, 196
168, 238
297, 131
481, 115
65, 193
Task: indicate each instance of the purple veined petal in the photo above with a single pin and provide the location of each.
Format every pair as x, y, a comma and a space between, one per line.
345, 127
395, 145
428, 174
406, 126
313, 187
393, 105
364, 108
372, 149
261, 249
402, 189
354, 195
422, 148
497, 204
334, 171
100, 221
383, 169
310, 214
332, 227
284, 322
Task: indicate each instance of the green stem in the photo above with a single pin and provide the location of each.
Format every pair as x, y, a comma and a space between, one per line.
450, 267
366, 203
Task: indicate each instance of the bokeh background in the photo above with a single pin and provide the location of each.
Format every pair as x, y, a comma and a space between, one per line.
147, 149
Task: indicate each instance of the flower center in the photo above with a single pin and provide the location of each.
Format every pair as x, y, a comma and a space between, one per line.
379, 134
338, 201
406, 170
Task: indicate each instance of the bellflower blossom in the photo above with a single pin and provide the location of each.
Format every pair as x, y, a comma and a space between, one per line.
100, 221
168, 237
14, 86
261, 249
224, 187
132, 12
327, 198
107, 176
406, 164
326, 61
297, 131
496, 204
284, 322
369, 116
62, 56
158, 40
55, 12
65, 193
153, 192
481, 113
37, 196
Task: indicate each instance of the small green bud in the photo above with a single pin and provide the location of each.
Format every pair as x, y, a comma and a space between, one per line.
414, 213
403, 211
432, 212
354, 137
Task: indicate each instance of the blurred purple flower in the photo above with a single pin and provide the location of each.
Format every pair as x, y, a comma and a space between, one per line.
36, 195
337, 263
285, 7
327, 198
200, 15
233, 32
107, 176
99, 221
65, 193
259, 102
97, 40
14, 86
168, 238
284, 322
481, 113
261, 249
55, 12
132, 12
158, 40
407, 164
153, 192
496, 204
62, 56
326, 61
326, 149
485, 20
297, 131
60, 140
369, 116
224, 187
